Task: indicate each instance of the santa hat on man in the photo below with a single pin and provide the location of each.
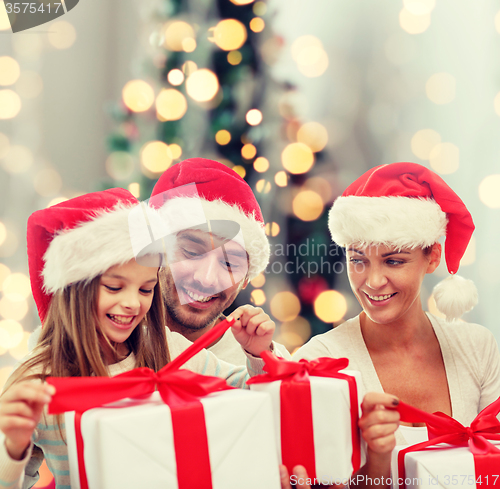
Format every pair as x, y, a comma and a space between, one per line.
77, 240
198, 190
408, 205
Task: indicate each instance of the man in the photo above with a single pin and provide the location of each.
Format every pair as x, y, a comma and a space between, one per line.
218, 244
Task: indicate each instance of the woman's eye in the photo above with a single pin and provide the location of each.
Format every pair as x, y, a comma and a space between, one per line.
395, 262
113, 289
355, 260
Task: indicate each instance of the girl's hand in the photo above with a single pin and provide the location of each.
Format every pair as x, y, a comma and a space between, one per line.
20, 411
253, 330
299, 477
378, 423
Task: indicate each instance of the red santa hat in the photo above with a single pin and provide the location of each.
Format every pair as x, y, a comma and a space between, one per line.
407, 205
198, 190
77, 240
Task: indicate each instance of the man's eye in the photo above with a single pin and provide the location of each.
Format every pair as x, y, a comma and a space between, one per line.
190, 254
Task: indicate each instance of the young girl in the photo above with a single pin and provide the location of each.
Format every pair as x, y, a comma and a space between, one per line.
102, 314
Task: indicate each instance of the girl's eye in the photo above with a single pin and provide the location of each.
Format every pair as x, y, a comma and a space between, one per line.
113, 289
146, 291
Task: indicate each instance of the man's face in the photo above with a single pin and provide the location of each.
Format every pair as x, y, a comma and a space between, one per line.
203, 279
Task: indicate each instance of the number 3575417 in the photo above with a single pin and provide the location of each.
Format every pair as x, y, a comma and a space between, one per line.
32, 8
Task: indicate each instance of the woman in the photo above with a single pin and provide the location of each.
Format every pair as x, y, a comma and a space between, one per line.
390, 221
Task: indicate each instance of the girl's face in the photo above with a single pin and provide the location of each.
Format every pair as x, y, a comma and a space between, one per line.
125, 296
386, 281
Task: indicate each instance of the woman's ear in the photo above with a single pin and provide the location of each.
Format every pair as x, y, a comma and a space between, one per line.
434, 257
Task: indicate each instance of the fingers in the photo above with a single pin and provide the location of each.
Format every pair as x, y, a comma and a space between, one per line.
299, 477
253, 319
372, 399
29, 392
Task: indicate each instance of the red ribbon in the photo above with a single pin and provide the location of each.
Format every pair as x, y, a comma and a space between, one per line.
297, 436
444, 429
179, 389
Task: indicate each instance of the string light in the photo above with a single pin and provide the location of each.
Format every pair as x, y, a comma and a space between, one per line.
314, 135
444, 158
263, 186
281, 179
240, 170
120, 165
489, 191
138, 95
171, 104
254, 117
440, 88
175, 150
330, 306
175, 77
248, 151
234, 58
257, 24
285, 306
9, 70
156, 156
307, 205
223, 137
229, 34
135, 189
258, 297
423, 142
178, 35
272, 229
47, 182
202, 85
414, 24
10, 104
297, 158
258, 281
261, 164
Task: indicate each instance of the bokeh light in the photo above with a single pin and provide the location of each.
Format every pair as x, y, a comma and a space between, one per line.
4, 18
311, 58
120, 165
307, 205
175, 150
489, 191
47, 182
189, 67
258, 281
297, 158
57, 200
4, 269
229, 34
202, 85
177, 33
263, 186
254, 117
444, 158
414, 24
432, 307
171, 105
3, 235
423, 142
135, 189
16, 286
13, 308
9, 70
29, 85
156, 156
11, 333
10, 104
62, 34
469, 256
223, 137
300, 326
261, 164
257, 24
18, 160
281, 179
497, 21
258, 297
241, 2
259, 8
285, 306
440, 88
330, 306
321, 186
234, 58
314, 135
189, 45
496, 104
248, 151
21, 350
419, 7
240, 170
175, 77
138, 95
272, 229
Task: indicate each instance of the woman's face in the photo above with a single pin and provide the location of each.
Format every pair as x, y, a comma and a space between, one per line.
387, 281
125, 296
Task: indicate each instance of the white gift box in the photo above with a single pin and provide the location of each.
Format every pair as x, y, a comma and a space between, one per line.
450, 468
331, 412
132, 446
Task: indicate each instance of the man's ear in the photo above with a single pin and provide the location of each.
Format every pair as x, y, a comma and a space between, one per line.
245, 283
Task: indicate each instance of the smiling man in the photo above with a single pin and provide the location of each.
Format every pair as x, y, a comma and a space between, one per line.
218, 244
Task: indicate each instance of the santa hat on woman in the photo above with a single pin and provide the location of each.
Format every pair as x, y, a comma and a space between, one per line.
77, 240
408, 206
198, 191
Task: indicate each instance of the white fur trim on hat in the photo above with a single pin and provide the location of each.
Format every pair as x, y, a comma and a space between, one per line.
88, 250
399, 221
186, 212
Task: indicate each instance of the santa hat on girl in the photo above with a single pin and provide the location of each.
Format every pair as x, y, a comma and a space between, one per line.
77, 240
408, 206
199, 190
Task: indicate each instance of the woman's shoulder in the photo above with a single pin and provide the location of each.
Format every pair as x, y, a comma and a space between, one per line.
333, 343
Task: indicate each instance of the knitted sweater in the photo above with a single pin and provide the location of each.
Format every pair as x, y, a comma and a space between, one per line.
47, 442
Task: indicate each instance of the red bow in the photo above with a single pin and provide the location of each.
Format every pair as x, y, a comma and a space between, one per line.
296, 407
444, 429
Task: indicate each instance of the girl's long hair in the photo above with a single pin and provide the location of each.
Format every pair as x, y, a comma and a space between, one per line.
70, 344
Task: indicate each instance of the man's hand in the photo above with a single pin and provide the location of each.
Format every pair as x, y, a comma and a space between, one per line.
253, 329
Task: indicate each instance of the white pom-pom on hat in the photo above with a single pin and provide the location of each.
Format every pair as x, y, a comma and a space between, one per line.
455, 296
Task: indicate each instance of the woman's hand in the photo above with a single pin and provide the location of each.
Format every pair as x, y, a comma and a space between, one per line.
299, 477
21, 408
253, 330
378, 424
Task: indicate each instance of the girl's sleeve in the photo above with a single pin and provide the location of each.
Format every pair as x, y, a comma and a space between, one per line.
206, 363
19, 474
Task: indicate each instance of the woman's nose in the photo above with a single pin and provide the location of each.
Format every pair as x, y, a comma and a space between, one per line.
376, 278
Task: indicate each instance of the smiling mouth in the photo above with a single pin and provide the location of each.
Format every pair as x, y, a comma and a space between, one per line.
199, 298
380, 298
123, 320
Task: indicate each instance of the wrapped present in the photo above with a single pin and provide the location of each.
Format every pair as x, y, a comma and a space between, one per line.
454, 456
195, 432
316, 409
